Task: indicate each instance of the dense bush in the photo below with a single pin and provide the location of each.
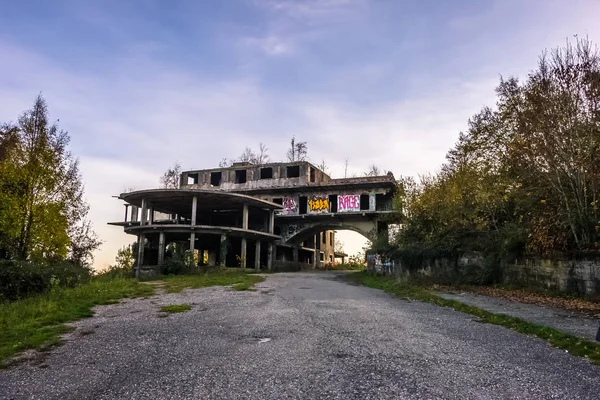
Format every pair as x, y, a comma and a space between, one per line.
19, 279
174, 266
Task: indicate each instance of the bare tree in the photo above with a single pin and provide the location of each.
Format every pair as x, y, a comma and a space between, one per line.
224, 163
170, 179
338, 246
373, 171
248, 155
297, 150
323, 167
261, 157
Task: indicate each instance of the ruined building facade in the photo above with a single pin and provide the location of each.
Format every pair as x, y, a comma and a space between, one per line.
287, 212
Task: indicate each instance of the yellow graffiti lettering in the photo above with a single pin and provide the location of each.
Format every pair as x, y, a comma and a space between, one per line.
318, 204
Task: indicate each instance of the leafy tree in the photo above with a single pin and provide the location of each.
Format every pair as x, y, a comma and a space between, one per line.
43, 212
125, 258
170, 179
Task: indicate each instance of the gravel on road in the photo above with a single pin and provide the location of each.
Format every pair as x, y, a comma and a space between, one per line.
298, 336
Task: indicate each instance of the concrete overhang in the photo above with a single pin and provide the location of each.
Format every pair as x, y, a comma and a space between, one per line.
201, 229
179, 201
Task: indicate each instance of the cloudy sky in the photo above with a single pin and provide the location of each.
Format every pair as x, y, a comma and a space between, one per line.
140, 84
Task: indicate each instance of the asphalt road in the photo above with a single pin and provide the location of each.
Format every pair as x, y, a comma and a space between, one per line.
300, 336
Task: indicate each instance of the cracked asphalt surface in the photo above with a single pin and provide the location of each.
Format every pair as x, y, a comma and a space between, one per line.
329, 340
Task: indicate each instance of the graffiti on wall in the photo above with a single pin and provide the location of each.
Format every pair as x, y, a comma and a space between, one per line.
318, 204
290, 206
293, 229
348, 202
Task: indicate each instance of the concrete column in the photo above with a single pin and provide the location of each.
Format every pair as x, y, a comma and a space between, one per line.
257, 256
318, 251
295, 254
161, 248
243, 261
144, 212
315, 255
192, 247
151, 215
194, 207
245, 216
270, 254
140, 256
271, 221
126, 209
223, 250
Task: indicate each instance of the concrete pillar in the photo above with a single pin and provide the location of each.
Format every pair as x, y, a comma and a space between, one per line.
318, 251
126, 209
315, 255
161, 248
245, 216
140, 255
295, 254
144, 212
151, 214
223, 250
192, 247
243, 261
270, 254
194, 207
271, 221
257, 256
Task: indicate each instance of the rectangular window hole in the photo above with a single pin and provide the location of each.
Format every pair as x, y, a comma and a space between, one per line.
333, 202
192, 179
303, 202
266, 173
312, 174
215, 178
364, 201
240, 176
278, 200
293, 171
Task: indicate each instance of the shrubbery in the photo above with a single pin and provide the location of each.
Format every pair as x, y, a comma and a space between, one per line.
19, 279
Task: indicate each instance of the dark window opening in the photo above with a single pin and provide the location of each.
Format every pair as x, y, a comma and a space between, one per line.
293, 171
312, 174
333, 202
215, 178
322, 257
277, 230
303, 200
278, 200
192, 179
240, 176
324, 237
266, 173
330, 237
364, 201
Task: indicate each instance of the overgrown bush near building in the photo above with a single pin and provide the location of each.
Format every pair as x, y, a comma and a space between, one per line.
20, 279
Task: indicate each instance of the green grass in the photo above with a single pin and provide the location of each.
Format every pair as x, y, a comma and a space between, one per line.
39, 321
176, 308
574, 345
241, 280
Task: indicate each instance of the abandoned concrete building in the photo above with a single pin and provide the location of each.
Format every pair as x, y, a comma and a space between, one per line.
280, 216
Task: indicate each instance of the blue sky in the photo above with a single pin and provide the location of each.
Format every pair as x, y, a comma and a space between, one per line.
140, 84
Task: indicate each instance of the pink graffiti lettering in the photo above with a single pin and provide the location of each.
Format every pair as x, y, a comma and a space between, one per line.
349, 202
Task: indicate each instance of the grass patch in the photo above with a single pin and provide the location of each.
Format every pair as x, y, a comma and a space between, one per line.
243, 286
176, 308
574, 345
176, 283
40, 320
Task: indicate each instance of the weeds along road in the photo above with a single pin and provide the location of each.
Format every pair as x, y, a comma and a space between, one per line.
299, 336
